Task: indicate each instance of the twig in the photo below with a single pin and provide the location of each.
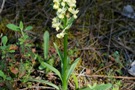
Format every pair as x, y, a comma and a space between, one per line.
104, 76
38, 87
124, 46
103, 68
2, 6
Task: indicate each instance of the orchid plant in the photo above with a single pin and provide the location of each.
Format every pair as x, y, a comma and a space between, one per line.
66, 13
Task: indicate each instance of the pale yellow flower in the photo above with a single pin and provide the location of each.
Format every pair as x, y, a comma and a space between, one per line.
70, 9
56, 0
57, 28
63, 4
56, 5
54, 19
71, 3
56, 24
61, 16
60, 35
75, 16
59, 10
65, 9
73, 11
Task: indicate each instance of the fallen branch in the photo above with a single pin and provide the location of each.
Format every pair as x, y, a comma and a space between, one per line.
104, 76
2, 6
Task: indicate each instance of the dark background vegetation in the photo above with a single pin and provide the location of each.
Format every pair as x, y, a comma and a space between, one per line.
99, 31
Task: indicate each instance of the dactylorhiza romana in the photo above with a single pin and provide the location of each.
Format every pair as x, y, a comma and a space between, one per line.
66, 12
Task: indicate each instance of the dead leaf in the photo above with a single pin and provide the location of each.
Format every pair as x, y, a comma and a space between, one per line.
13, 47
51, 76
14, 70
111, 58
33, 50
88, 71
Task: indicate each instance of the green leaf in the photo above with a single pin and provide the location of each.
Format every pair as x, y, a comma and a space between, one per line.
4, 40
69, 23
85, 88
46, 44
71, 69
58, 52
45, 82
28, 28
21, 25
103, 86
41, 67
2, 74
51, 68
50, 62
75, 81
98, 87
13, 27
116, 56
8, 78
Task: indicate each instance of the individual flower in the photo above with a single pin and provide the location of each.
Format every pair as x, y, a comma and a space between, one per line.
61, 16
73, 11
70, 9
60, 35
63, 4
56, 4
75, 16
59, 10
71, 3
56, 24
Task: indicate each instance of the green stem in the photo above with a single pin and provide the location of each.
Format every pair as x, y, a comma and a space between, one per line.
22, 33
65, 64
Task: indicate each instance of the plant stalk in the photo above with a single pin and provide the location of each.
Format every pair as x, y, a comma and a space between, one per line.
65, 64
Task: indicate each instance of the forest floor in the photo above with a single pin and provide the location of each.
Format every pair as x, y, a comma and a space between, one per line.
101, 36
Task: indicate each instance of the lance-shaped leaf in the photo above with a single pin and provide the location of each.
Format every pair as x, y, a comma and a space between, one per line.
46, 44
28, 28
71, 69
21, 25
59, 54
4, 40
13, 27
44, 64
